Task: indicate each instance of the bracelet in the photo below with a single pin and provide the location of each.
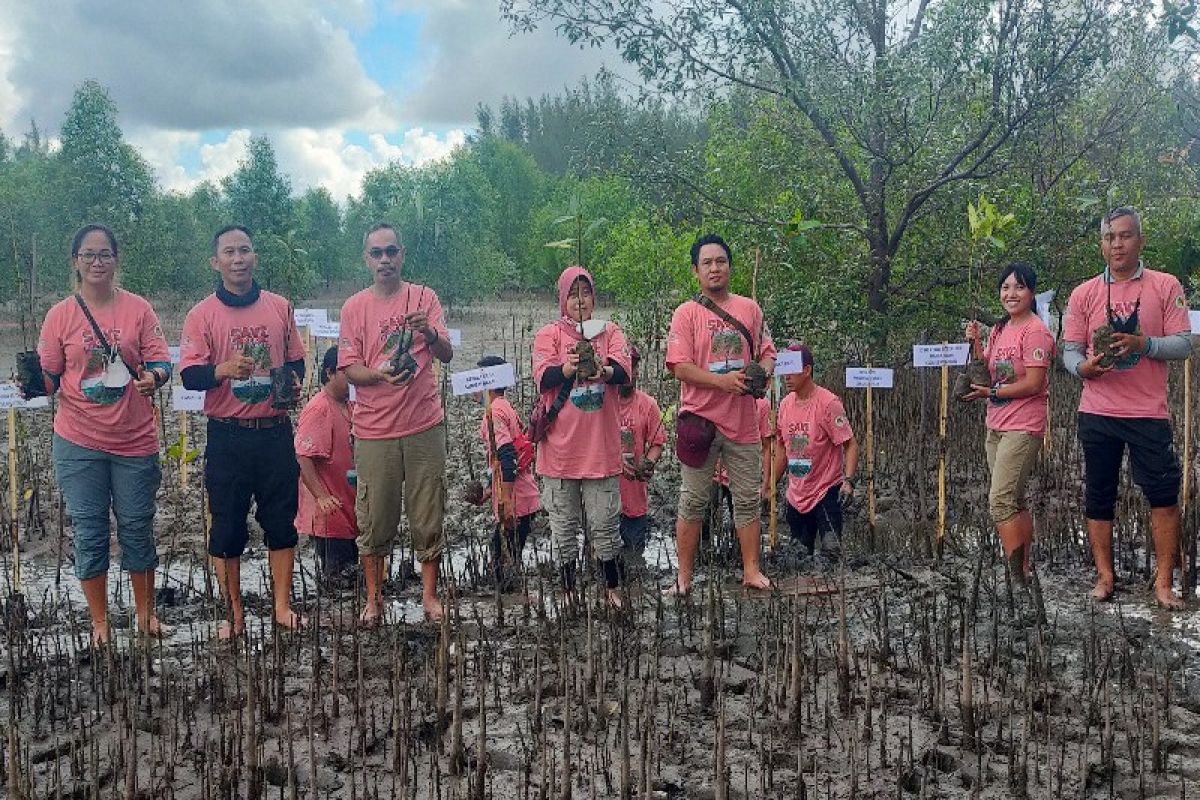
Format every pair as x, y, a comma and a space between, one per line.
994, 393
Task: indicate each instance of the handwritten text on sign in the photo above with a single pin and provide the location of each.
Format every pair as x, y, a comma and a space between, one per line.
11, 398
941, 355
186, 400
326, 330
869, 378
789, 362
307, 317
476, 380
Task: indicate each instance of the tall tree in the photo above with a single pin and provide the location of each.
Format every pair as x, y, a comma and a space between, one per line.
906, 100
260, 197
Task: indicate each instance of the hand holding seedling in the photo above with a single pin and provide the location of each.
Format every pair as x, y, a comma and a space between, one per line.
146, 382
239, 368
978, 392
398, 379
419, 321
1093, 368
732, 382
571, 364
1125, 344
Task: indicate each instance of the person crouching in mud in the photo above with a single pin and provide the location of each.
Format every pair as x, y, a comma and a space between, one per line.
577, 429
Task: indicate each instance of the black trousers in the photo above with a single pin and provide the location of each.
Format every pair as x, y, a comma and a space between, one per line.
1151, 458
245, 464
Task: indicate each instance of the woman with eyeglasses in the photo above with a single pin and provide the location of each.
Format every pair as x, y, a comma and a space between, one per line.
103, 350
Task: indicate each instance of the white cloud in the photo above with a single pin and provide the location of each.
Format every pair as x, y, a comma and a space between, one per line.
307, 156
472, 56
192, 66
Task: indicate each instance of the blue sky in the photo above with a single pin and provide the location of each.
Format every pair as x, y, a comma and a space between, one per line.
340, 86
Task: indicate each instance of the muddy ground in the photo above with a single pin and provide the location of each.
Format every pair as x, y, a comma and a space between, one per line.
889, 672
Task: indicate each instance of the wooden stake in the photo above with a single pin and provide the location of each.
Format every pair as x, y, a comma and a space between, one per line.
183, 449
870, 452
12, 498
942, 411
773, 497
1187, 433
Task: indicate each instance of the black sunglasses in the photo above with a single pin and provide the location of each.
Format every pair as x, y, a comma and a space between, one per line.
378, 252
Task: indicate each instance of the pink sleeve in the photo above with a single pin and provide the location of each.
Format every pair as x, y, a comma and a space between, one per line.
314, 434
837, 425
680, 347
656, 433
437, 318
1075, 326
768, 343
295, 350
350, 343
194, 347
50, 343
617, 348
151, 342
1175, 308
545, 353
1039, 349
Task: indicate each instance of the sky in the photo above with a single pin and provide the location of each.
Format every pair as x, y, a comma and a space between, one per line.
339, 86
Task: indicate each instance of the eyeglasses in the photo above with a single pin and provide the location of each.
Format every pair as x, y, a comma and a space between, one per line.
104, 256
378, 252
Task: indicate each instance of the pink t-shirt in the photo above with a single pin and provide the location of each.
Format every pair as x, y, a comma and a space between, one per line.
585, 439
507, 425
372, 329
113, 420
641, 429
214, 332
1137, 387
323, 434
812, 433
763, 409
1008, 354
700, 337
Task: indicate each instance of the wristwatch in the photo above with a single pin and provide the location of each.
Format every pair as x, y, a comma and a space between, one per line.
994, 393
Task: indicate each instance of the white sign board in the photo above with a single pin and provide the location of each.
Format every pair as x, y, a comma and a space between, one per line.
186, 399
869, 378
941, 355
174, 351
307, 317
470, 381
10, 397
455, 337
1194, 318
789, 362
1043, 306
353, 397
326, 330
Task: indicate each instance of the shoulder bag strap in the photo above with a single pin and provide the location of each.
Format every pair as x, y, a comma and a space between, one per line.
732, 320
87, 312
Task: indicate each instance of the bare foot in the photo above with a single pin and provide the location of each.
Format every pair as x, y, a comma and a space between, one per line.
101, 635
155, 629
613, 596
433, 609
370, 617
226, 630
291, 620
1016, 566
1102, 592
677, 589
756, 580
1166, 598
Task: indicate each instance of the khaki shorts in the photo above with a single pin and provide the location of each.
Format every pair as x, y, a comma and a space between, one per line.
743, 462
1010, 457
406, 474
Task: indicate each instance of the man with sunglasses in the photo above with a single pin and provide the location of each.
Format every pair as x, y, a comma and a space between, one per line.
390, 334
1121, 328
